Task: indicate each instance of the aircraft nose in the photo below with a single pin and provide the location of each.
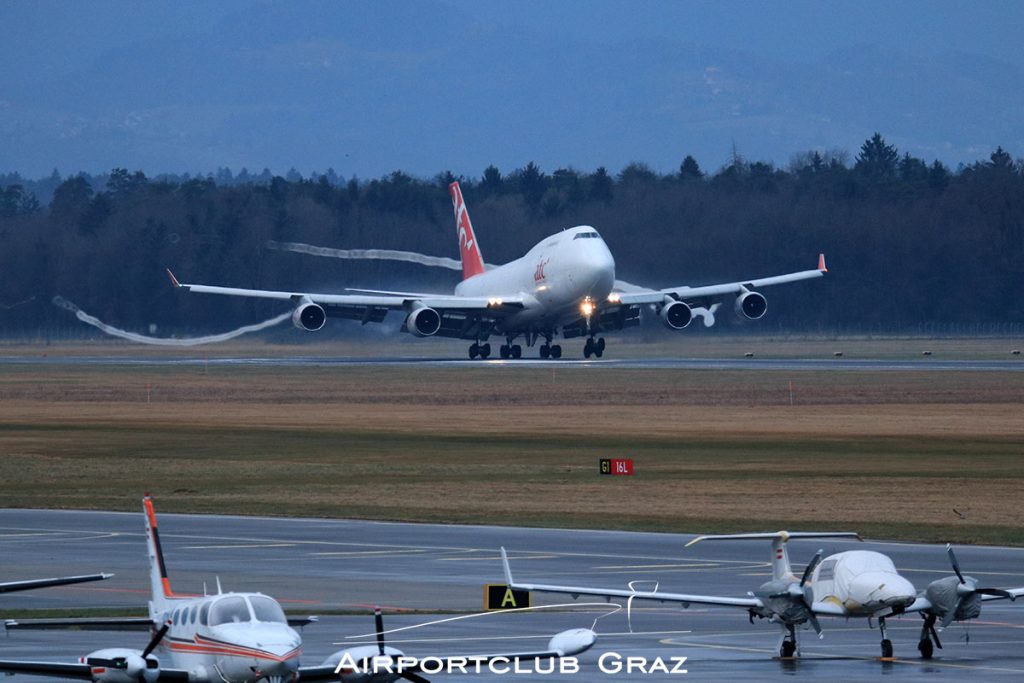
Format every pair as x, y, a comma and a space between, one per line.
886, 589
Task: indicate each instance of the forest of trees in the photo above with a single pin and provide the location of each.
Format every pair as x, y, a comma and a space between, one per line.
913, 247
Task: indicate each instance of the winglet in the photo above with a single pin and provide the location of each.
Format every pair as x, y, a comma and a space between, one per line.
821, 264
508, 569
174, 280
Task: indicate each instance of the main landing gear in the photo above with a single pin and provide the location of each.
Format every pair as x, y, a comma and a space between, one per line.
553, 351
481, 350
593, 348
787, 646
928, 634
886, 643
510, 350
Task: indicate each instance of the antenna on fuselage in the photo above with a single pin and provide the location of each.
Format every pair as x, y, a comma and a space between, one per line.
205, 594
219, 591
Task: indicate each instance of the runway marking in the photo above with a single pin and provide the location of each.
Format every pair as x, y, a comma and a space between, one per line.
406, 641
708, 565
366, 553
497, 558
230, 547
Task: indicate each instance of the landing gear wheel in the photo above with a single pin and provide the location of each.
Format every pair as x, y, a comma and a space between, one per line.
588, 348
545, 351
556, 351
485, 350
926, 648
600, 347
503, 351
886, 648
516, 351
788, 648
474, 351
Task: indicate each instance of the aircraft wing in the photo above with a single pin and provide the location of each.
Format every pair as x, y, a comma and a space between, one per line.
75, 671
462, 317
82, 623
685, 599
12, 586
701, 295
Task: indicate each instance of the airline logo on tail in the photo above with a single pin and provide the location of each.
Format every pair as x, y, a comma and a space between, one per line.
472, 261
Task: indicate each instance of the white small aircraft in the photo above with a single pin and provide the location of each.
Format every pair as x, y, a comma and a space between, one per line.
853, 583
565, 284
232, 638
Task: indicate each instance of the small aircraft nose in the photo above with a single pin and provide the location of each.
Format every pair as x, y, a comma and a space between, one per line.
884, 589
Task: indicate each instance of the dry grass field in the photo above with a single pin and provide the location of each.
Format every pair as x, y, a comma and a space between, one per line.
887, 453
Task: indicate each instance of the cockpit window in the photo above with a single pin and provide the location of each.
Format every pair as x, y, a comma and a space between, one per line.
266, 609
204, 614
229, 611
827, 571
586, 235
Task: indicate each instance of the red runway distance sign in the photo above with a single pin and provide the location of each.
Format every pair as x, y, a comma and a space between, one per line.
615, 466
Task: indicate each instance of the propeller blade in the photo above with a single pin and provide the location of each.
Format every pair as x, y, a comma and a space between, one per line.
157, 637
996, 591
935, 634
952, 560
379, 621
810, 567
811, 617
950, 615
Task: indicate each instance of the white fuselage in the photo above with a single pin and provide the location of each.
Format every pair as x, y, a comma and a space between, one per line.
234, 637
555, 279
863, 582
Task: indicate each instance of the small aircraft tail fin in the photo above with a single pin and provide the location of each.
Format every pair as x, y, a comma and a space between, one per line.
780, 556
508, 569
161, 586
469, 249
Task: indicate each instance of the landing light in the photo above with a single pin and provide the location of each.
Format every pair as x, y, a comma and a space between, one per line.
614, 298
494, 302
587, 308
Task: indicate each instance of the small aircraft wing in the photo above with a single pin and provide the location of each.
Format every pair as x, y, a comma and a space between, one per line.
12, 586
82, 623
701, 295
76, 671
685, 599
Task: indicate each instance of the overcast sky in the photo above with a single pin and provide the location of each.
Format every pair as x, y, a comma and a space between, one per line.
371, 87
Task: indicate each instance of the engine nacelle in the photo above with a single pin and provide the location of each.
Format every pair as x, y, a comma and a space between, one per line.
676, 315
121, 665
423, 322
309, 316
364, 664
751, 305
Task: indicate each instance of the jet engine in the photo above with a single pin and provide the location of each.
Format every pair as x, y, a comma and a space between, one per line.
676, 315
309, 316
751, 305
423, 322
121, 665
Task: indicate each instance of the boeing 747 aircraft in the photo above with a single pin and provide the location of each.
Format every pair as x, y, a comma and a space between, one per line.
564, 285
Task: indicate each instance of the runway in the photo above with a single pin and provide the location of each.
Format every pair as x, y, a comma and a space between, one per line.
314, 565
784, 364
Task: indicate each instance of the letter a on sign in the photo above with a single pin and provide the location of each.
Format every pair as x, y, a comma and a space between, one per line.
498, 596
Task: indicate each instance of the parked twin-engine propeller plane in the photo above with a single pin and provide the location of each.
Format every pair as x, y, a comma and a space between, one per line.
563, 285
233, 638
853, 583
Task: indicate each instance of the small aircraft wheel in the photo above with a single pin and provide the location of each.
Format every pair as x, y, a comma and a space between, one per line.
600, 347
485, 350
787, 649
503, 351
556, 351
516, 351
474, 351
598, 352
586, 350
545, 351
926, 648
887, 648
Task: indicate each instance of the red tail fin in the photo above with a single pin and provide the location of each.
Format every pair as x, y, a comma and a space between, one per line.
472, 261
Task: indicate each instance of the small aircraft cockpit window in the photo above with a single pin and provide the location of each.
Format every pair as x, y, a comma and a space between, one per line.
267, 609
229, 611
586, 235
204, 613
827, 571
